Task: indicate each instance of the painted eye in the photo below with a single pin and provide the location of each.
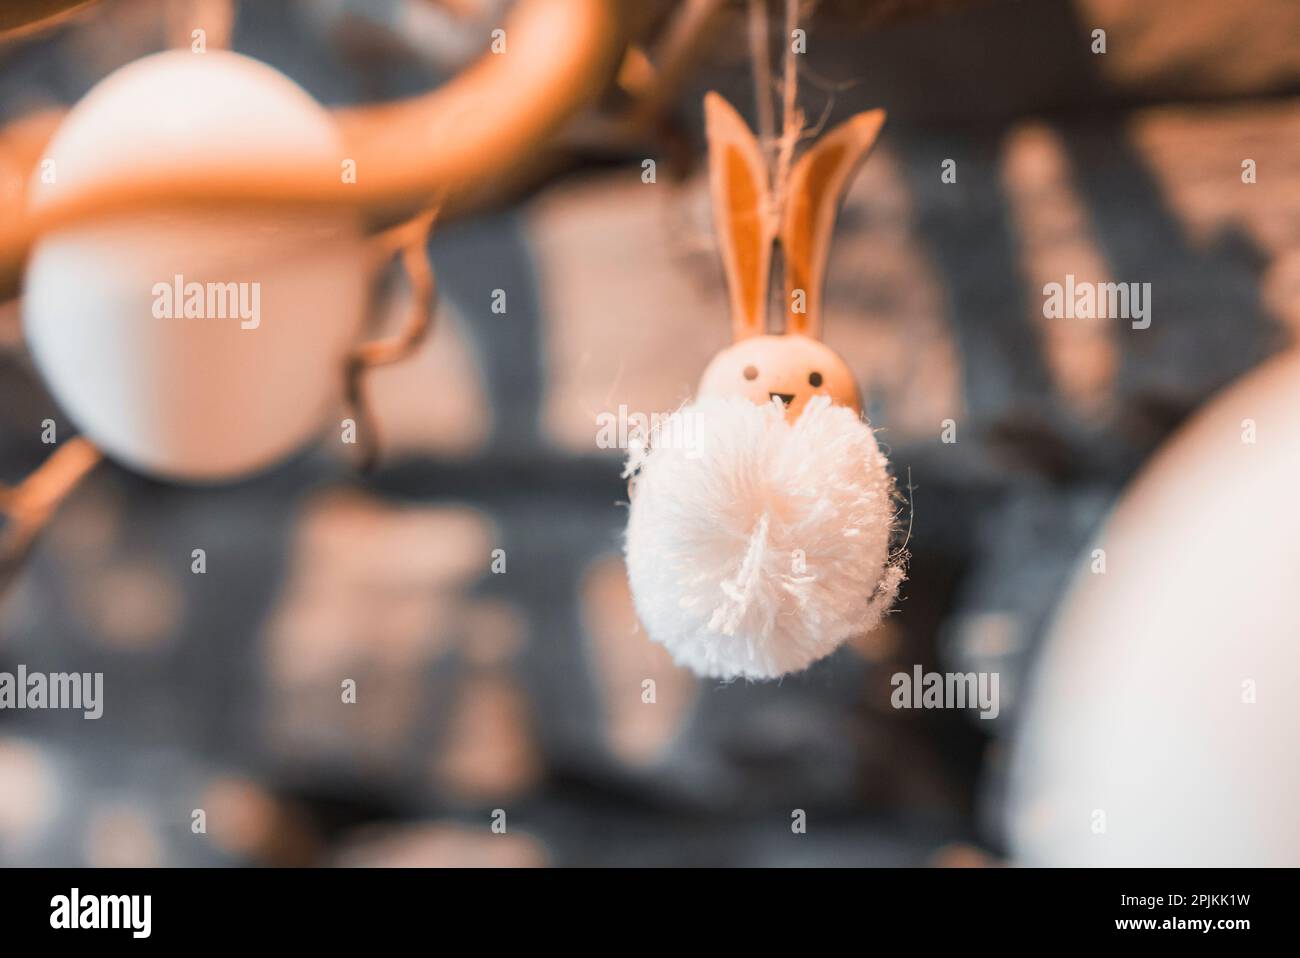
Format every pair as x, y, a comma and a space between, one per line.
751, 372
814, 380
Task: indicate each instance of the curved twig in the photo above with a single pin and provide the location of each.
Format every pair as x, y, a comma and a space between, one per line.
453, 142
412, 240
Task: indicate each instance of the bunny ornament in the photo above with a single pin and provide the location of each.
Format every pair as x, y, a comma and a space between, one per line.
762, 513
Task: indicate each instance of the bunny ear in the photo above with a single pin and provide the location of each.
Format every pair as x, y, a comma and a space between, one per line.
817, 185
738, 182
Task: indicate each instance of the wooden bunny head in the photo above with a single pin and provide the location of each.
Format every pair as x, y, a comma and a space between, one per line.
796, 365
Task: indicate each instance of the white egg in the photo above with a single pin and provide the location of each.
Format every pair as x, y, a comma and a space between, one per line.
1164, 722
239, 370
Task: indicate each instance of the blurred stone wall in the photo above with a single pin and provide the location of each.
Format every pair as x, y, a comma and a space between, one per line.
522, 691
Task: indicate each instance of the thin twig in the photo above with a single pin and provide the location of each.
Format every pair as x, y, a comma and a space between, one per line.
29, 505
677, 55
412, 240
760, 50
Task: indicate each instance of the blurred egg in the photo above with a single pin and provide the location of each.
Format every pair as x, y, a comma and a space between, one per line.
194, 344
1164, 722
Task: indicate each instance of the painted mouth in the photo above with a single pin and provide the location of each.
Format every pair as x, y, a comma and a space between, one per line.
786, 398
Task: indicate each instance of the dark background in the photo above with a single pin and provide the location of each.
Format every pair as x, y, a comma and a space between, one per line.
522, 691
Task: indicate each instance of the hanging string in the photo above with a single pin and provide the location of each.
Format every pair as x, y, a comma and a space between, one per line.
791, 116
779, 151
760, 50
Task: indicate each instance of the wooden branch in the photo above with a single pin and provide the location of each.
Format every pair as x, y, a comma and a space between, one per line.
22, 17
412, 241
447, 146
27, 507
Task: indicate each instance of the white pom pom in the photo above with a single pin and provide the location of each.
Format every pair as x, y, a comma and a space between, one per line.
754, 546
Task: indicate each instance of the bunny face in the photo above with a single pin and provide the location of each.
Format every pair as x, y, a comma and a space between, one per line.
791, 368
795, 366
